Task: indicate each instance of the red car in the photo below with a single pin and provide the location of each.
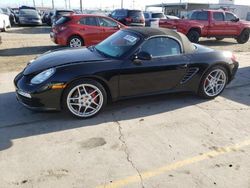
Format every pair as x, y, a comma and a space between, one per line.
83, 29
210, 23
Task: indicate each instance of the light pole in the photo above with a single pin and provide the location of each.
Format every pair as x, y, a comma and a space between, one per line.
81, 5
121, 3
34, 3
69, 4
53, 5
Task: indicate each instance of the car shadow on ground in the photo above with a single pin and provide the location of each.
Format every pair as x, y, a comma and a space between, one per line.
30, 30
217, 43
239, 89
19, 122
28, 50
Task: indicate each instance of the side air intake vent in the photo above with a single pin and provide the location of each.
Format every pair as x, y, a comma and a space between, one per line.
189, 74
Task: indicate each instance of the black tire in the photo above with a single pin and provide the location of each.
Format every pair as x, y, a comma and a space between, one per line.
75, 37
193, 36
201, 91
219, 38
71, 87
244, 37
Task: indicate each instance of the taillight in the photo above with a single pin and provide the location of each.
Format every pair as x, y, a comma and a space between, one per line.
233, 57
61, 28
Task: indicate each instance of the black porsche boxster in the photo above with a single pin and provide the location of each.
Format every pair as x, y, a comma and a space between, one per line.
132, 62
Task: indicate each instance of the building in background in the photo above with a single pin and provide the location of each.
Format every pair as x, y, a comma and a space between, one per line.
181, 9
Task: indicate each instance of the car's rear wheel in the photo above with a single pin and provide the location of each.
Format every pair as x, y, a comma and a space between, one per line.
84, 98
213, 82
75, 42
193, 36
244, 37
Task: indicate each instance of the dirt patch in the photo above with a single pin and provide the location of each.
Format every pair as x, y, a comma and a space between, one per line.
93, 143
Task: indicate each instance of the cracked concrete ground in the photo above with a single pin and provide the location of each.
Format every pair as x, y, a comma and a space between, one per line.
175, 140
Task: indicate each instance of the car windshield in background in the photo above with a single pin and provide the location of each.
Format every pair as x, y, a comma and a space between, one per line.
135, 13
158, 15
28, 12
118, 44
62, 13
62, 20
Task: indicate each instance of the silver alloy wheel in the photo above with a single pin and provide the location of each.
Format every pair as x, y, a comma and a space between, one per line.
85, 100
214, 82
75, 43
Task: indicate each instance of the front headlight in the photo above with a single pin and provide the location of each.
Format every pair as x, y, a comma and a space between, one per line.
41, 77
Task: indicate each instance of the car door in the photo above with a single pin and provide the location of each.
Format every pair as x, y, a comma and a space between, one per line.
218, 26
90, 30
233, 26
163, 72
108, 27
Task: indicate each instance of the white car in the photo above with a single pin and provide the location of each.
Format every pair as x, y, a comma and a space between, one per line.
4, 21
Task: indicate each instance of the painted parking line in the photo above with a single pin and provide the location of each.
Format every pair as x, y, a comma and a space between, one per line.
176, 165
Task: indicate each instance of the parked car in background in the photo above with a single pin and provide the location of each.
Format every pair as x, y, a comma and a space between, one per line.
210, 23
128, 17
29, 17
152, 17
16, 14
83, 29
46, 18
4, 21
11, 15
59, 13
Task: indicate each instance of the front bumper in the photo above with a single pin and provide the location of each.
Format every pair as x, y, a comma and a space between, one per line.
30, 22
39, 97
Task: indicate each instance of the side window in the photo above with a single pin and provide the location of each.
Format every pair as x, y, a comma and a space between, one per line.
230, 17
104, 22
161, 46
89, 21
218, 16
199, 15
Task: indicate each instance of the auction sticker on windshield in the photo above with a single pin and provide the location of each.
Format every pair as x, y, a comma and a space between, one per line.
130, 38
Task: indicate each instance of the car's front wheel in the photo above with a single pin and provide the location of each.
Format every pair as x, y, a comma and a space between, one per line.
75, 42
243, 37
84, 98
213, 82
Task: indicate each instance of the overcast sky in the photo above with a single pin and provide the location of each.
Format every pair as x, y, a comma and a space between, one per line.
96, 4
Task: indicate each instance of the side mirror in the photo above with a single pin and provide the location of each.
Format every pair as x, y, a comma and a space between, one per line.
118, 26
235, 20
143, 56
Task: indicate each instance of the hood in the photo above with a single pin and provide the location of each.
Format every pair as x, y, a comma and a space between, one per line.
61, 57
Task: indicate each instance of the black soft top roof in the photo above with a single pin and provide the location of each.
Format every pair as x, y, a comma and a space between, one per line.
148, 32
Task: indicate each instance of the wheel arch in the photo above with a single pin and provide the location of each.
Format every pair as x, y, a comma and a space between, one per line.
220, 63
195, 29
95, 78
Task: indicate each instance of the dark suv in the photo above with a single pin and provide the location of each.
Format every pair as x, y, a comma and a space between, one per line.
128, 17
58, 14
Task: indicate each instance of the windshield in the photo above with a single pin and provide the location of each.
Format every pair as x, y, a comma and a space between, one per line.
28, 12
118, 44
158, 15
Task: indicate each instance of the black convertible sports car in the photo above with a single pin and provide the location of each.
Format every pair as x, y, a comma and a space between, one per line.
132, 62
